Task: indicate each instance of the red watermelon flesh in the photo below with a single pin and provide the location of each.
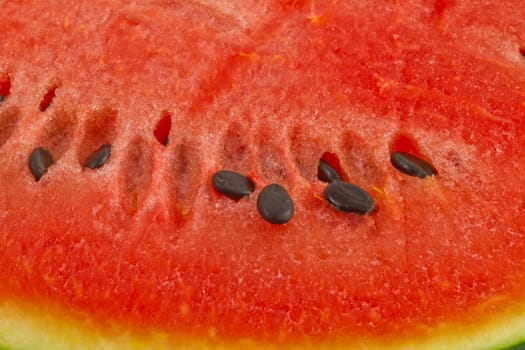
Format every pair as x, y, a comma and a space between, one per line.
265, 88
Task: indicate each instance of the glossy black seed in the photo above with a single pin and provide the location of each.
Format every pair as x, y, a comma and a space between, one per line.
411, 165
275, 205
326, 173
232, 184
98, 158
1, 98
39, 161
347, 197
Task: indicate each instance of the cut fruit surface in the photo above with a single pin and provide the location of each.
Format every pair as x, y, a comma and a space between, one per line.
115, 118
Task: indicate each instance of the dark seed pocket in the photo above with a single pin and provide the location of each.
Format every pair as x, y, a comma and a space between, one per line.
47, 99
5, 87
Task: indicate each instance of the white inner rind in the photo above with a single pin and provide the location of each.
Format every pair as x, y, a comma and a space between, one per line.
28, 328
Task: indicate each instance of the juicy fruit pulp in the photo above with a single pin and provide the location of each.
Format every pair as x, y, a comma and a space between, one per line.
182, 89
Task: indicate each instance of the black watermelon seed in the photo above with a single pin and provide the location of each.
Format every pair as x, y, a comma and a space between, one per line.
1, 98
39, 161
275, 205
411, 165
232, 184
98, 158
347, 197
326, 173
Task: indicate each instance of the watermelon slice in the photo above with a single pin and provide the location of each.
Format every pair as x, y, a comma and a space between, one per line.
262, 174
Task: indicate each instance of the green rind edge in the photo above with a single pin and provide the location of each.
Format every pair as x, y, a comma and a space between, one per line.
517, 346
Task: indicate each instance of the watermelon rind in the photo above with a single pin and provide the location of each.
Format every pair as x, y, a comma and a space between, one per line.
29, 327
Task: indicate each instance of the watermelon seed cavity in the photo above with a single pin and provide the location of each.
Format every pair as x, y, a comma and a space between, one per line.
98, 158
5, 86
99, 129
39, 161
275, 205
47, 99
162, 130
232, 184
326, 173
411, 165
350, 198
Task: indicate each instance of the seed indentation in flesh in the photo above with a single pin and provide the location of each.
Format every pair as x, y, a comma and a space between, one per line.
235, 152
98, 158
136, 174
1, 99
275, 205
411, 165
232, 184
8, 121
348, 197
39, 161
326, 173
